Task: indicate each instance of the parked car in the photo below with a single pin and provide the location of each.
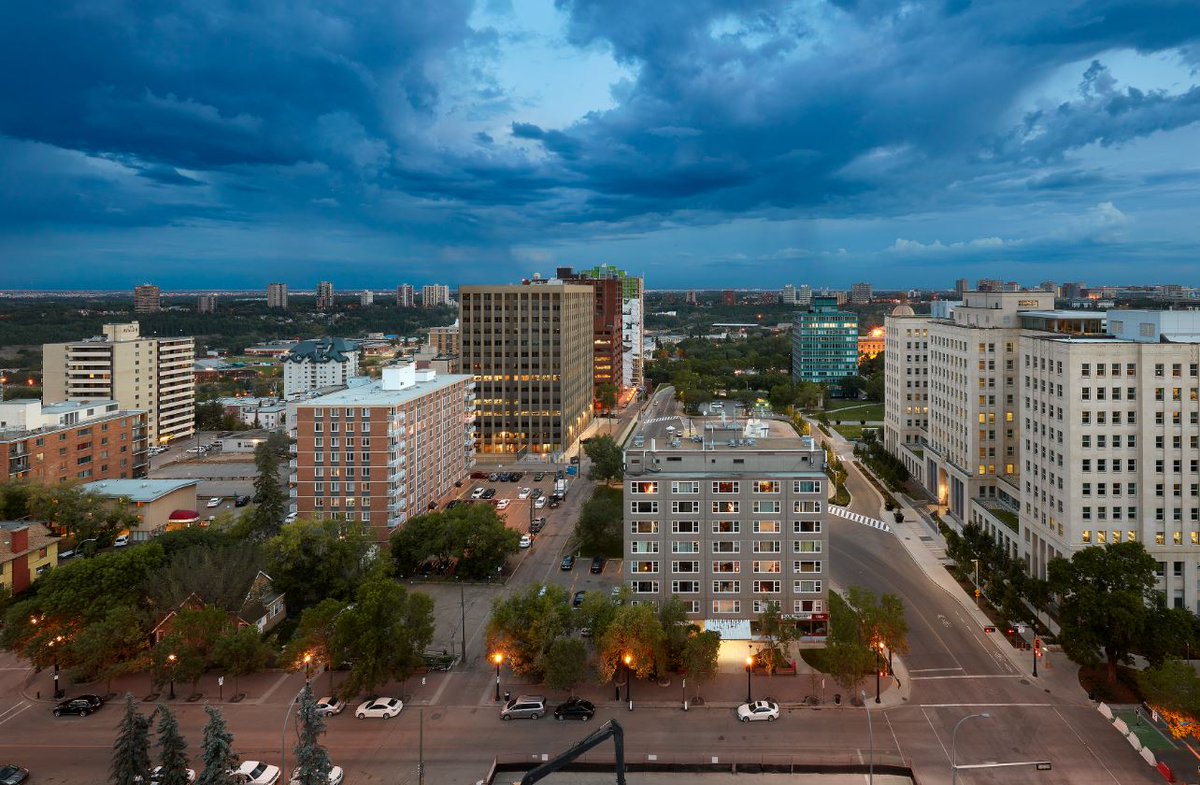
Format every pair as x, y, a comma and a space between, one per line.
597, 565
539, 476
526, 541
330, 705
540, 503
121, 541
503, 504
518, 476
241, 501
554, 503
490, 493
536, 525
336, 775
477, 493
379, 707
524, 707
538, 493
11, 774
493, 477
291, 517
156, 776
568, 562
578, 599
575, 709
255, 772
523, 493
81, 705
758, 710
214, 502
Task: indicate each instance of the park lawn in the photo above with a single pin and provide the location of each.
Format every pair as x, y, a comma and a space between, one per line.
850, 432
855, 411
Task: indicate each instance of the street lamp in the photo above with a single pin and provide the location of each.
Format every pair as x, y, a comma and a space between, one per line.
629, 680
976, 582
171, 658
871, 739
749, 670
56, 641
1037, 650
497, 658
307, 665
954, 745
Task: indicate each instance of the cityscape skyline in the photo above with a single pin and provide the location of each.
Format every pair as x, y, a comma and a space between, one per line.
694, 146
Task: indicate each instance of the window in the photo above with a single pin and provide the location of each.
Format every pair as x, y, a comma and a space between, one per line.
726, 546
767, 486
767, 507
726, 587
726, 606
806, 527
692, 546
643, 507
643, 567
806, 566
806, 506
726, 566
725, 486
685, 527
643, 527
806, 546
686, 506
685, 566
644, 587
719, 507
765, 587
686, 486
643, 546
766, 566
806, 486
685, 587
767, 546
806, 587
726, 527
768, 527
643, 487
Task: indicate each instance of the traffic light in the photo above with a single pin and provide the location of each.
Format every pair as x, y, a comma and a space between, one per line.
1011, 631
989, 629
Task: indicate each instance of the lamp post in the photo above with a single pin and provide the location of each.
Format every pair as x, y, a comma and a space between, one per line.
954, 744
976, 582
871, 740
307, 665
56, 641
878, 667
628, 660
283, 735
497, 658
1037, 649
171, 666
749, 670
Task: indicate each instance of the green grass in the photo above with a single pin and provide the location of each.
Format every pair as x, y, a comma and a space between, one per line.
1008, 517
850, 432
855, 411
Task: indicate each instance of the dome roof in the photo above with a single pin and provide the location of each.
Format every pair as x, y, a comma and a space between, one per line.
903, 310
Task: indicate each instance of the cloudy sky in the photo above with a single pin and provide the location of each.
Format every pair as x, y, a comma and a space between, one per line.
211, 144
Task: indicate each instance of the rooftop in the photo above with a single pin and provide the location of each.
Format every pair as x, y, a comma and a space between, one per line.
694, 434
143, 491
322, 350
373, 393
39, 537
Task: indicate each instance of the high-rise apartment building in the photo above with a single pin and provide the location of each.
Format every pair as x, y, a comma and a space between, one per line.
324, 296
435, 294
961, 287
633, 309
404, 296
445, 343
788, 295
149, 374
690, 298
861, 293
606, 329
146, 299
1049, 286
804, 295
529, 350
380, 453
277, 295
206, 303
825, 345
729, 531
728, 297
906, 383
71, 441
366, 297
324, 362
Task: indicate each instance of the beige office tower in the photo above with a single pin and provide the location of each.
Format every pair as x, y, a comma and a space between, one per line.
529, 350
152, 374
146, 299
277, 295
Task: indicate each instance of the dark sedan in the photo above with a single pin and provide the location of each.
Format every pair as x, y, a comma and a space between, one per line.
578, 601
575, 709
597, 565
13, 775
568, 562
80, 706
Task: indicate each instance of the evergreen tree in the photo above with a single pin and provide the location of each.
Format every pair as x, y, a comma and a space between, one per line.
268, 494
131, 750
217, 752
312, 761
172, 750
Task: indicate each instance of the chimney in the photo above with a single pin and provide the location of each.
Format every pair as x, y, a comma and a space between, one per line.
19, 539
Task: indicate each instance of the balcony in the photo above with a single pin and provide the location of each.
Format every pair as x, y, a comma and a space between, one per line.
397, 488
293, 478
398, 476
397, 506
396, 462
395, 522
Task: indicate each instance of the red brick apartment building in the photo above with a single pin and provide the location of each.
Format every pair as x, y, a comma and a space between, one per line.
70, 441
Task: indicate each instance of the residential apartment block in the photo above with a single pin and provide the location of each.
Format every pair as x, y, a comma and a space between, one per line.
325, 299
379, 453
435, 294
824, 344
607, 364
404, 295
71, 441
861, 293
728, 530
149, 374
277, 295
146, 299
906, 384
311, 365
529, 350
206, 303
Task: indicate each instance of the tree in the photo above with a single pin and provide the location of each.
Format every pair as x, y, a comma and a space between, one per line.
1104, 594
635, 631
310, 560
218, 573
677, 630
608, 460
524, 625
606, 394
565, 663
131, 750
172, 750
268, 494
849, 655
111, 646
778, 634
315, 636
700, 655
220, 761
312, 761
473, 535
598, 532
384, 633
240, 652
1173, 690
596, 613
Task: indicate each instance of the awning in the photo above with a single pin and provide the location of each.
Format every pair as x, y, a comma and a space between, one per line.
730, 629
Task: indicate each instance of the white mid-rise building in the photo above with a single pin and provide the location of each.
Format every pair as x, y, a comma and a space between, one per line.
324, 362
151, 374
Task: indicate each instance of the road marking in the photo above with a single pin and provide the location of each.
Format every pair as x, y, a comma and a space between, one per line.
438, 694
935, 733
932, 670
986, 705
14, 711
1085, 745
857, 517
967, 676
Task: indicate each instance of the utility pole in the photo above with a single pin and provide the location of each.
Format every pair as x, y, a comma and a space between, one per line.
462, 598
421, 747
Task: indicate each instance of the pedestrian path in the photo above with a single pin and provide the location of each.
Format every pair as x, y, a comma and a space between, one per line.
665, 418
850, 515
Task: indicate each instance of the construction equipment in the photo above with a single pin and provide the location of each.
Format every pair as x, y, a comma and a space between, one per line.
596, 737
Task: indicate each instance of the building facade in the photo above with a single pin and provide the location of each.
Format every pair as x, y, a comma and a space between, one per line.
71, 441
607, 349
404, 296
529, 350
27, 549
152, 501
324, 296
324, 362
377, 454
206, 303
633, 308
824, 345
861, 293
149, 374
366, 297
445, 341
728, 531
906, 386
146, 299
435, 294
277, 295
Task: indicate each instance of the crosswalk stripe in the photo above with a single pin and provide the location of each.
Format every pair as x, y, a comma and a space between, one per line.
850, 515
